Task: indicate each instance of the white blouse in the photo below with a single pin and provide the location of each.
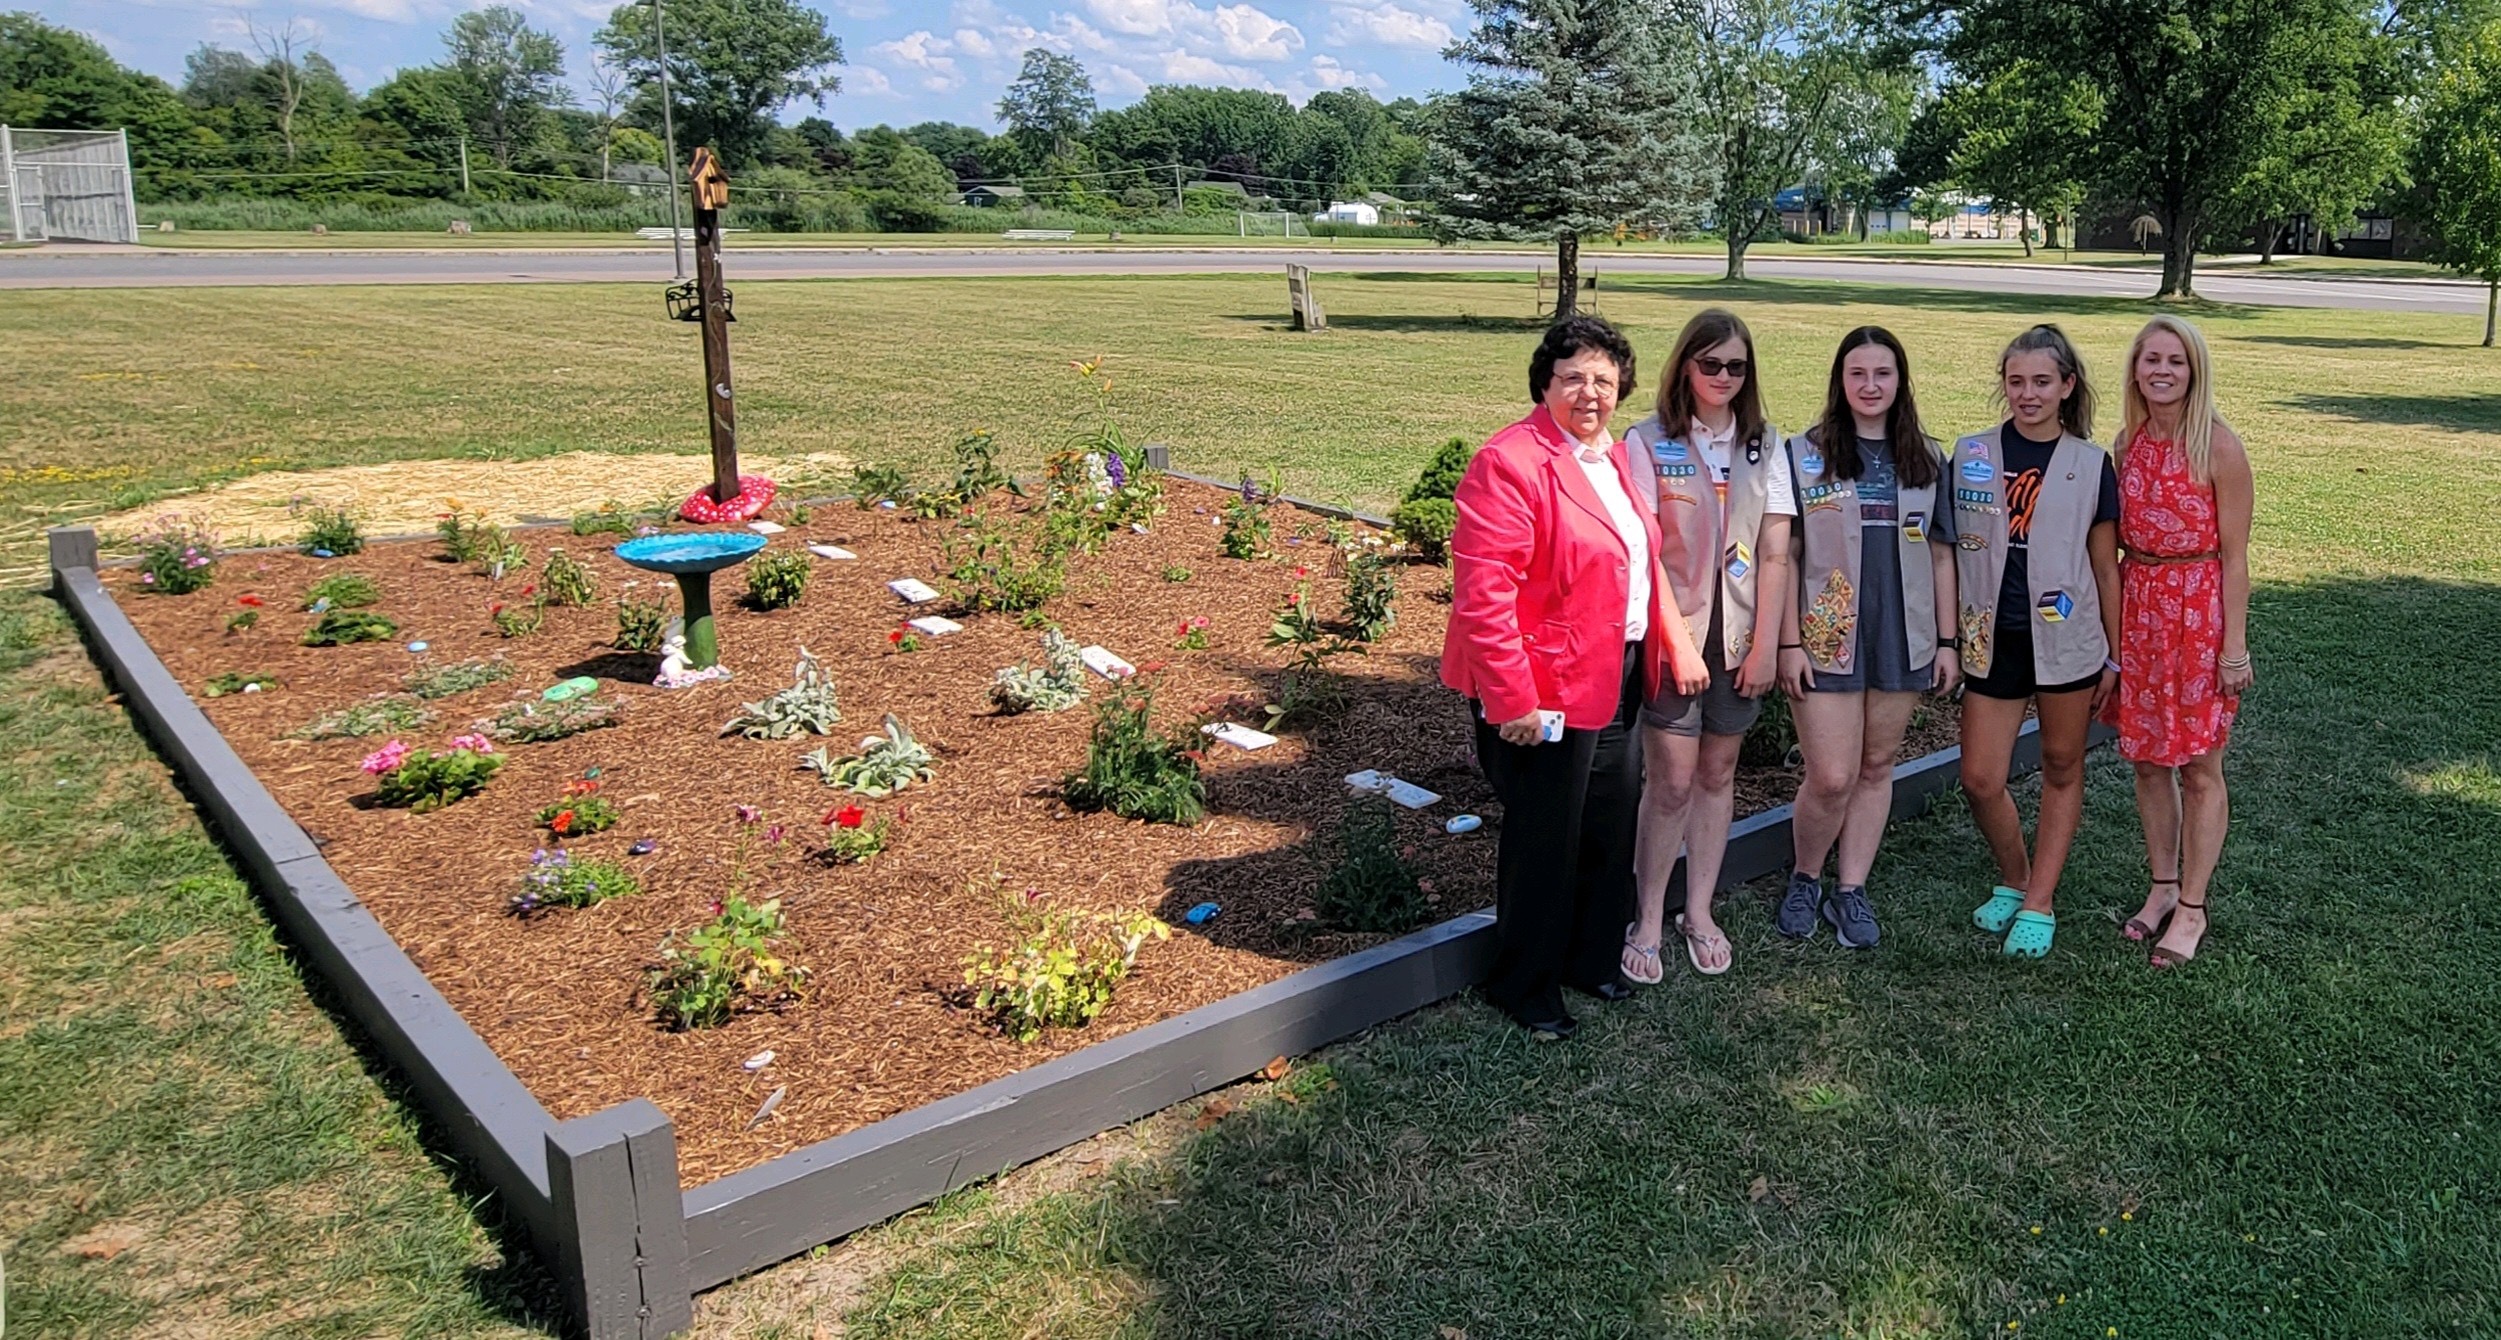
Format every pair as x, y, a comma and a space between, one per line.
1598, 463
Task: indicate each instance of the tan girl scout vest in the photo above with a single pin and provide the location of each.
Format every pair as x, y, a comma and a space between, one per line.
2067, 639
1693, 547
1832, 528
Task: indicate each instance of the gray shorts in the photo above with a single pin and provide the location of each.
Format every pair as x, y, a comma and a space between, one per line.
1719, 709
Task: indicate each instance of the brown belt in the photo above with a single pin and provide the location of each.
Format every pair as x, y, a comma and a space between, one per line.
2160, 560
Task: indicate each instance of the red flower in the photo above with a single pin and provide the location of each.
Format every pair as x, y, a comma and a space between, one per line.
562, 823
1153, 667
495, 607
1302, 572
895, 637
847, 816
1294, 598
529, 588
254, 601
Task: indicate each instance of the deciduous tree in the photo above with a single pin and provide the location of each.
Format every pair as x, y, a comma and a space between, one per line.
2459, 164
732, 63
511, 77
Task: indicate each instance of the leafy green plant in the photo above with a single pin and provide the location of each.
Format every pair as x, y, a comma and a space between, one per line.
886, 763
850, 839
425, 780
1193, 634
1307, 690
339, 628
905, 638
370, 716
993, 567
331, 532
176, 556
1058, 969
1372, 887
470, 536
344, 591
535, 721
809, 704
580, 813
977, 471
934, 504
1772, 741
234, 681
1057, 684
776, 580
732, 964
442, 681
611, 518
801, 514
1425, 526
522, 619
1247, 531
874, 484
243, 621
642, 625
1176, 574
1443, 472
559, 879
1131, 769
567, 580
1136, 492
1371, 588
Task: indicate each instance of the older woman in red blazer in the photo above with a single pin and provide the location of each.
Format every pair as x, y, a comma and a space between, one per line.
1561, 626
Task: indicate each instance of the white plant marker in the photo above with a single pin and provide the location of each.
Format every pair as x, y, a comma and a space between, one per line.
1239, 736
913, 590
764, 527
1102, 662
935, 625
830, 551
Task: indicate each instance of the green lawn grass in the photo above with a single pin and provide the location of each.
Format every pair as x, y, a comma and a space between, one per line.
2294, 1137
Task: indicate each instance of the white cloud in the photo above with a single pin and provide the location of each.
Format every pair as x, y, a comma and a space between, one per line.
1186, 67
971, 42
1120, 82
1388, 25
1251, 34
867, 79
926, 54
1237, 32
1327, 73
1136, 18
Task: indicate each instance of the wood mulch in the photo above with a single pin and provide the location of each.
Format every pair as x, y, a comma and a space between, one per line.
886, 1025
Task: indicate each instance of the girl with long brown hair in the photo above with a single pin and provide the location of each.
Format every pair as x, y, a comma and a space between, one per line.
1869, 625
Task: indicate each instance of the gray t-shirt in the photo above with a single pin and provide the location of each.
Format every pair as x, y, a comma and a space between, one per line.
1883, 656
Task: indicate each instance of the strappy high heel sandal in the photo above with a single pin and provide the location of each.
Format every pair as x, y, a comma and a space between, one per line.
2167, 958
2137, 930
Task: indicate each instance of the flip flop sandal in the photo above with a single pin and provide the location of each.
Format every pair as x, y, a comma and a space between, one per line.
2137, 930
2031, 934
1652, 971
2000, 909
2171, 958
1694, 956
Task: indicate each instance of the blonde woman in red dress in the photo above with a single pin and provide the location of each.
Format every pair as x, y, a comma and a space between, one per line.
2185, 498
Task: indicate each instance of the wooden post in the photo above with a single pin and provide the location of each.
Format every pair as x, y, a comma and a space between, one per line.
711, 191
1306, 304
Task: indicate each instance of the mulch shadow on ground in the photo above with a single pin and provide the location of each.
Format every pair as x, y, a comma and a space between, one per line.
560, 996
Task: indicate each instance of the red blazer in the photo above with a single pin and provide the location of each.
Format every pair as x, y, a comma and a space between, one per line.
1539, 579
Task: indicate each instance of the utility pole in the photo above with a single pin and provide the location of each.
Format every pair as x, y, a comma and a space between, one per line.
1176, 188
668, 130
464, 165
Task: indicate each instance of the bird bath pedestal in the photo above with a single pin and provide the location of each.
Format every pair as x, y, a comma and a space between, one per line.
692, 559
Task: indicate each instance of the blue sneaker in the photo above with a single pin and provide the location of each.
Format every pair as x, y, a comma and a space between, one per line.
1797, 906
1853, 921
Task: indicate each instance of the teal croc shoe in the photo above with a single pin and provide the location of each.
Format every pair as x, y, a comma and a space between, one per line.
1993, 915
2031, 935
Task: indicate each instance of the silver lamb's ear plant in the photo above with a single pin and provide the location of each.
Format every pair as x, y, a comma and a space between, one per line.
809, 704
885, 764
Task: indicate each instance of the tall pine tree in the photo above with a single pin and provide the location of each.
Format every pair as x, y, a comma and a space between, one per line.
1577, 118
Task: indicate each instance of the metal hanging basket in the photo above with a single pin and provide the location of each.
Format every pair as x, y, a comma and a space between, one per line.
686, 302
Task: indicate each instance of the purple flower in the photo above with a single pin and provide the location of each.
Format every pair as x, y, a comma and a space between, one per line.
773, 834
1117, 469
748, 814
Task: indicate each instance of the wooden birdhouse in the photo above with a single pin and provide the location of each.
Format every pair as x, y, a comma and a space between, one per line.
709, 180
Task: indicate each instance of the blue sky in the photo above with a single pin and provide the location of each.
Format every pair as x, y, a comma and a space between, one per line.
907, 61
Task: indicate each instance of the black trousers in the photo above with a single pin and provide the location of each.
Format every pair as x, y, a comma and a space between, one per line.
1564, 872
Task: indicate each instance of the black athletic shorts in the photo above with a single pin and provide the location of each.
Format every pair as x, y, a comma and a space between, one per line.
2010, 673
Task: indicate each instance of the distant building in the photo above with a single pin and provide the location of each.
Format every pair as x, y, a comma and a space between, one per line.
991, 197
1350, 211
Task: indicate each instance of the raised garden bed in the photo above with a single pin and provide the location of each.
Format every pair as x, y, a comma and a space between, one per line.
895, 1089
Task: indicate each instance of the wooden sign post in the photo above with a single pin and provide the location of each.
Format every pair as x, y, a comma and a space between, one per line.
1307, 313
711, 190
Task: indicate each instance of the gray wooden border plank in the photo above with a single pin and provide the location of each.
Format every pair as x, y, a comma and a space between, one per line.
478, 1104
612, 1177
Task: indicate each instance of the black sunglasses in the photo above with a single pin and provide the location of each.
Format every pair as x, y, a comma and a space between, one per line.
1712, 367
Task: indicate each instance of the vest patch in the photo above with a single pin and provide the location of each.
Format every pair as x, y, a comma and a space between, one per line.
1670, 450
1676, 471
2056, 606
1977, 470
1740, 561
1812, 462
1976, 499
1915, 528
1816, 493
1972, 543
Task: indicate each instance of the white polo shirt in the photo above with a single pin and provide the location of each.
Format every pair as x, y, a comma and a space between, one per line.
1598, 463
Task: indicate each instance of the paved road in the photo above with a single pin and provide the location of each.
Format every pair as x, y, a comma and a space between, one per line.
148, 267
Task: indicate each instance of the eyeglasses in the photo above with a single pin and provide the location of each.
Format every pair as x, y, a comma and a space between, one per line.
1581, 381
1712, 367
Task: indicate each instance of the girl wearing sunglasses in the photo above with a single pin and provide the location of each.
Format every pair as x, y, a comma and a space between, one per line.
1870, 625
1725, 504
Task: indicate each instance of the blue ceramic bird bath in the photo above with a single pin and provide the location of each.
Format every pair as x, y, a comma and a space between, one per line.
692, 559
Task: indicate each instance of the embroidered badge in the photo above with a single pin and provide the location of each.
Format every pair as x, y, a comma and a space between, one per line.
1915, 528
1972, 543
1974, 497
1670, 450
1977, 626
1676, 471
1826, 627
2055, 607
1740, 561
1977, 470
1816, 493
1812, 462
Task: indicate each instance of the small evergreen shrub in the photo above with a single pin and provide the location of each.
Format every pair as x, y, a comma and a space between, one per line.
339, 628
344, 591
1425, 525
1372, 888
1132, 770
809, 704
331, 532
567, 580
1058, 684
777, 580
1444, 471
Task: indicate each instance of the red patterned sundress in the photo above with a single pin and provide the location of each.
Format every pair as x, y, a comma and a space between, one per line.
2168, 710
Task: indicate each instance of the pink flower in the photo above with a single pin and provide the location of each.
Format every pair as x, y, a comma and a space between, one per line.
773, 834
748, 814
385, 759
474, 743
